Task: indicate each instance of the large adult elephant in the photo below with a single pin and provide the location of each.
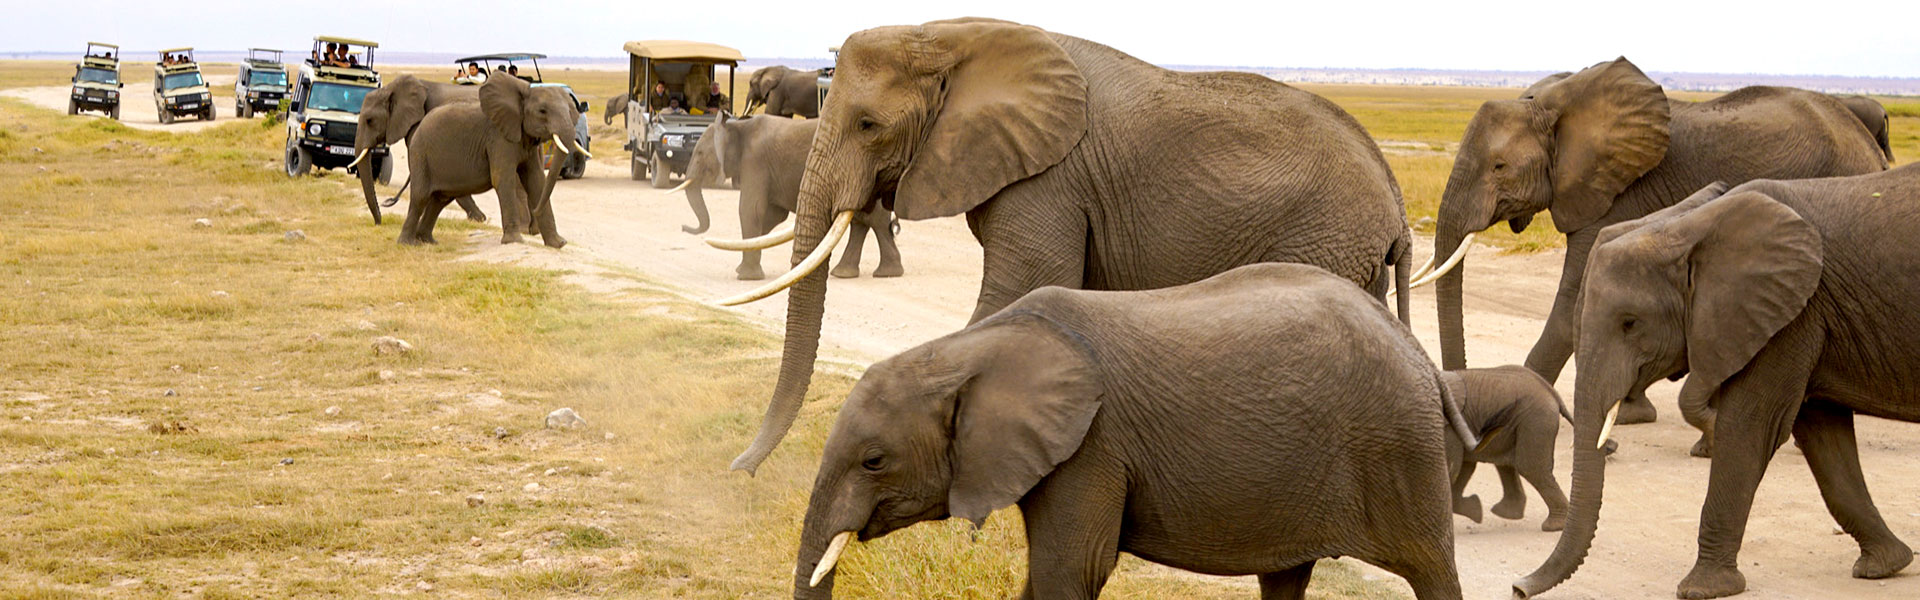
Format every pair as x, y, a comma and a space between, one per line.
1078, 166
784, 91
467, 148
765, 157
1606, 145
390, 114
1874, 116
1791, 306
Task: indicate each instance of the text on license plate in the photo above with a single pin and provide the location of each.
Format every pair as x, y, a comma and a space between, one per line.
185, 106
341, 150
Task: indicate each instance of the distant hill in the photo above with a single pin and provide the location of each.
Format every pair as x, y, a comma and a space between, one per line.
1833, 84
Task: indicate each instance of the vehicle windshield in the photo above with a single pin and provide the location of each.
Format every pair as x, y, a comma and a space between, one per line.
99, 76
329, 96
278, 78
180, 80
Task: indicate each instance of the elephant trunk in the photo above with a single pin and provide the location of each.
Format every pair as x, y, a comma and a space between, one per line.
701, 169
697, 200
1595, 394
367, 172
831, 522
1448, 298
806, 304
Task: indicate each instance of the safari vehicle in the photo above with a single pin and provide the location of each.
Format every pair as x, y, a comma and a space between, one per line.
261, 84
323, 110
826, 78
662, 144
576, 166
96, 81
178, 88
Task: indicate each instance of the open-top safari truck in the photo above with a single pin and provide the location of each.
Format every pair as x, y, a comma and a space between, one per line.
324, 110
576, 166
662, 144
261, 84
178, 88
96, 81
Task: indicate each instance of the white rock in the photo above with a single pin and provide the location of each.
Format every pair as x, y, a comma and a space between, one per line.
387, 344
565, 418
476, 500
609, 436
500, 433
366, 326
387, 375
333, 410
530, 488
295, 236
220, 294
202, 223
551, 472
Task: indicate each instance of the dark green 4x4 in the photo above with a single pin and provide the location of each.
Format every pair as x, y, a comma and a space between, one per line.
261, 84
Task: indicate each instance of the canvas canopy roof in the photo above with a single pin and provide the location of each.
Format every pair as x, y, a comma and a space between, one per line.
344, 40
103, 45
508, 56
181, 49
682, 50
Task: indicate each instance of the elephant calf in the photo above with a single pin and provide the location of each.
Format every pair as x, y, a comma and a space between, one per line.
1516, 414
1247, 424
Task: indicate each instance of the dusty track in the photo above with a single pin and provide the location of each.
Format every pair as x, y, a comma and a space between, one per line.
136, 104
1646, 539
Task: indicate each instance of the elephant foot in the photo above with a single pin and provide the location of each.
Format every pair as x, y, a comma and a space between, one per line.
889, 270
554, 241
1511, 509
1554, 523
477, 217
1467, 506
749, 273
1702, 448
846, 271
1711, 582
510, 238
1635, 411
1879, 561
407, 240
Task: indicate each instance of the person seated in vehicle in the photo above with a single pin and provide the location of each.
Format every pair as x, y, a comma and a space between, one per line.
473, 74
514, 70
659, 98
673, 107
716, 101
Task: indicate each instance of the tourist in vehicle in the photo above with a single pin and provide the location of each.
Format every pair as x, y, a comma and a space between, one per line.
716, 101
673, 107
659, 99
473, 74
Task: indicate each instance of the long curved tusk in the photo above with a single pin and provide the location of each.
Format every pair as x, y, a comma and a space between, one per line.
813, 261
1613, 414
561, 145
679, 188
834, 548
358, 158
1422, 271
770, 240
1421, 277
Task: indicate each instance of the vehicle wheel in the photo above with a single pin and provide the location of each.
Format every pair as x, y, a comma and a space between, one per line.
166, 118
385, 176
115, 113
662, 174
635, 169
208, 115
72, 107
298, 162
576, 168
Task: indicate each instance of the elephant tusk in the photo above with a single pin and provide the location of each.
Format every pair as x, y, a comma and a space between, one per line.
759, 243
1422, 271
812, 262
834, 548
677, 189
358, 158
1613, 414
1452, 261
561, 145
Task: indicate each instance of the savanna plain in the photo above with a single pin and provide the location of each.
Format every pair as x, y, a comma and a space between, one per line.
196, 408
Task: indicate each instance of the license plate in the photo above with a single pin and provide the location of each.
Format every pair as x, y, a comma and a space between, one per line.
340, 150
187, 106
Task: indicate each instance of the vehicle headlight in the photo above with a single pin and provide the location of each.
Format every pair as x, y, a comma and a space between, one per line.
674, 140
113, 94
314, 129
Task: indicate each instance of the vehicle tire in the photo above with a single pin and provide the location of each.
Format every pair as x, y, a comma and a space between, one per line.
636, 170
73, 108
115, 113
166, 118
662, 174
576, 168
298, 162
208, 115
385, 175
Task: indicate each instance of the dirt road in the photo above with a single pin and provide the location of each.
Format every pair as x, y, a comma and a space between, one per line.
136, 104
1646, 539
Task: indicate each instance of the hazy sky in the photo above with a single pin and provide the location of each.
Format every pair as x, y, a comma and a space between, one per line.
1877, 38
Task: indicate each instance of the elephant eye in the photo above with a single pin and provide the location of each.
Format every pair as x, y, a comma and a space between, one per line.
867, 124
873, 463
1499, 166
1626, 324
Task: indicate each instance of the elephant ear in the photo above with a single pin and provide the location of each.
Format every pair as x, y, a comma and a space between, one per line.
501, 99
1612, 127
1533, 91
1031, 397
406, 100
1014, 104
1752, 265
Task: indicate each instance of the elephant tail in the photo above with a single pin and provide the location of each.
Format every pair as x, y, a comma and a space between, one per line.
1451, 407
1401, 257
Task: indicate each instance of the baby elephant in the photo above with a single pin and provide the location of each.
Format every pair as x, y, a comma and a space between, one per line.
1248, 424
1517, 415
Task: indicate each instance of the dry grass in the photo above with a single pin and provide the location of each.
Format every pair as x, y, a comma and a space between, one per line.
160, 439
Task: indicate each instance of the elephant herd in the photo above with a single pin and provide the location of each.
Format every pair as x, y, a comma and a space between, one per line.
1137, 375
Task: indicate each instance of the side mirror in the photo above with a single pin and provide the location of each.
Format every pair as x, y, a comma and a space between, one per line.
583, 107
293, 107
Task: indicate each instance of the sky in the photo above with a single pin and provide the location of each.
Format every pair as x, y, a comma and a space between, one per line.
1877, 38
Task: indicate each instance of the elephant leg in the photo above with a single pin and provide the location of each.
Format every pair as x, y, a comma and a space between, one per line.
756, 219
513, 204
1824, 433
883, 237
849, 266
1513, 500
1029, 243
1290, 584
430, 217
473, 210
1758, 407
417, 203
1073, 534
1533, 460
1465, 506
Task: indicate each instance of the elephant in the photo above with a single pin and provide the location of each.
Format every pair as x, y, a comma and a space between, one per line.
1874, 116
471, 147
1789, 306
765, 157
1191, 426
617, 105
1516, 415
1082, 167
784, 91
390, 114
1606, 145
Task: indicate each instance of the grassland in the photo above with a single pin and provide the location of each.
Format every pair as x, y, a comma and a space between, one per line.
197, 410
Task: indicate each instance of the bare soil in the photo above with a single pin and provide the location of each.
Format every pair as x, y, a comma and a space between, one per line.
136, 104
1646, 539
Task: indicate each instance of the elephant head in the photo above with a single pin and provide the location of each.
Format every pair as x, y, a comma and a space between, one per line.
761, 85
960, 426
1569, 144
387, 115
1698, 288
526, 117
716, 158
930, 120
